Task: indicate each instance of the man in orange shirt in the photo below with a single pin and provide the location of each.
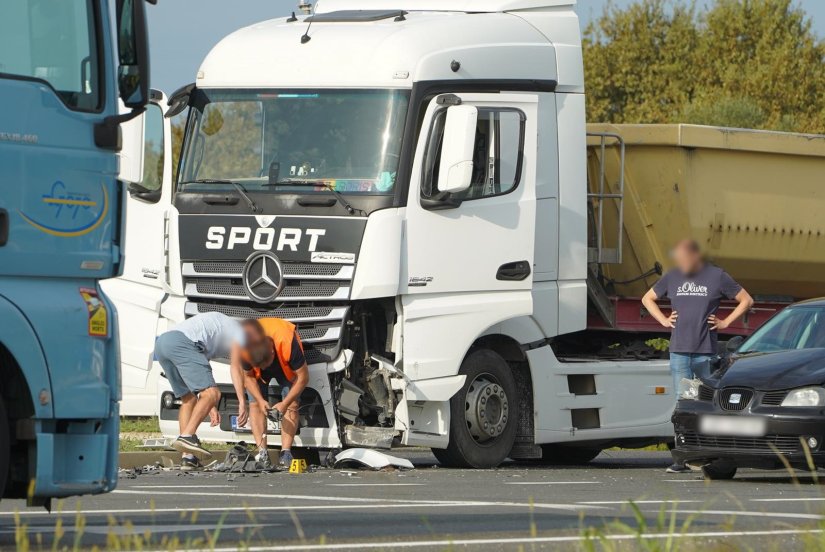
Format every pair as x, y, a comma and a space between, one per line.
272, 350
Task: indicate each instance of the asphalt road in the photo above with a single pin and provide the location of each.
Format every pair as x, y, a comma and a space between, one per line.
515, 507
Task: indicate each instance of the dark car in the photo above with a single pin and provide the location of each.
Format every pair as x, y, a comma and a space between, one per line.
763, 406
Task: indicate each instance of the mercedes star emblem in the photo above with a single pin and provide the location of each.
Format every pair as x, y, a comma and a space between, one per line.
263, 276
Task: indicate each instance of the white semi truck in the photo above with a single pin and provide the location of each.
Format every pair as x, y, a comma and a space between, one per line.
407, 183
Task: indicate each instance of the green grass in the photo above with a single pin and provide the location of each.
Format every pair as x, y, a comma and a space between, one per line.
139, 425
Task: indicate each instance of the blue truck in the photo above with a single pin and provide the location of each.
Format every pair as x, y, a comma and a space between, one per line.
72, 73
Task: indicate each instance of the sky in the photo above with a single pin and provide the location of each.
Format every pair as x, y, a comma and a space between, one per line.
181, 32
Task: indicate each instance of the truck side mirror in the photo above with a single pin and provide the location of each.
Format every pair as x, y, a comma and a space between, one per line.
133, 53
456, 168
133, 72
131, 149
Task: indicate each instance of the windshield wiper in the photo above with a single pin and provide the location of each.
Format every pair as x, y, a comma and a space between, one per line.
314, 184
238, 187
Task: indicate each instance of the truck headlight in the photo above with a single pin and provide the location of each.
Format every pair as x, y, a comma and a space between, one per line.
689, 389
807, 396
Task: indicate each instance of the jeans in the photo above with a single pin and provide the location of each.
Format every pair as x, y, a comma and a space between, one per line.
688, 366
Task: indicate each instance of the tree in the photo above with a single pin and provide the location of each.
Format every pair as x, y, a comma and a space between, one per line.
640, 62
745, 63
766, 51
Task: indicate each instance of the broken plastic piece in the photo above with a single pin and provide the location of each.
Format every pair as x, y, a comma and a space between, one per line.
359, 457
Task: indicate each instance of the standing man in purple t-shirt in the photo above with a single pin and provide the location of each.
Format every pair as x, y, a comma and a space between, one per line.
695, 289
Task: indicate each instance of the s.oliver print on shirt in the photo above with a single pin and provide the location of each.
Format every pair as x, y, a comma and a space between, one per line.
695, 297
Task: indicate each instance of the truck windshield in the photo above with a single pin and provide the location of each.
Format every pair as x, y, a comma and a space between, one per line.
801, 327
349, 140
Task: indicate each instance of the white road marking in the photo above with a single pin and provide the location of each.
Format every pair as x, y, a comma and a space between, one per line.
183, 487
738, 513
469, 503
124, 530
629, 500
522, 540
808, 499
552, 482
375, 484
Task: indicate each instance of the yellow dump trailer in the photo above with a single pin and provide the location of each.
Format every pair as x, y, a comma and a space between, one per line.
754, 200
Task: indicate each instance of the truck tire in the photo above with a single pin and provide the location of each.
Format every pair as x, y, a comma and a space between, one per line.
5, 445
483, 414
566, 455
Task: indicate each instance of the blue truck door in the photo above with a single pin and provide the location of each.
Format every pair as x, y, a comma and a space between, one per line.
59, 197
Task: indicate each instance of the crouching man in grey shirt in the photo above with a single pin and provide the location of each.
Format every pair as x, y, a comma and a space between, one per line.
184, 353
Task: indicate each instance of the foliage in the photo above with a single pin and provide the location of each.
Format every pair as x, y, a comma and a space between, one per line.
658, 344
742, 63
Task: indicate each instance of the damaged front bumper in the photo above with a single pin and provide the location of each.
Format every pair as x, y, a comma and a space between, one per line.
417, 413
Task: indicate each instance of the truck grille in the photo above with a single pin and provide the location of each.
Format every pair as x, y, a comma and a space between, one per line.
786, 444
315, 298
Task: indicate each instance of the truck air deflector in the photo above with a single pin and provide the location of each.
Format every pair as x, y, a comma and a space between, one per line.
355, 16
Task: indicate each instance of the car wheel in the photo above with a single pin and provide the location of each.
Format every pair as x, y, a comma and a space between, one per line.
483, 414
566, 455
5, 445
719, 470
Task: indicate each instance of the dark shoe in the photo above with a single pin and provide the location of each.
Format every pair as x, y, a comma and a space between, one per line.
286, 459
264, 460
190, 445
677, 468
190, 464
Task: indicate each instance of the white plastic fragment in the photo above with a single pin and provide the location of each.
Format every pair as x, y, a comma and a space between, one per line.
368, 458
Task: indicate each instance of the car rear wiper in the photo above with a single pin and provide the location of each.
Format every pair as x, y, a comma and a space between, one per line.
238, 187
314, 184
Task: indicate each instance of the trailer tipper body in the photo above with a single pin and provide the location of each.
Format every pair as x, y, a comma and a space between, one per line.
753, 199
414, 183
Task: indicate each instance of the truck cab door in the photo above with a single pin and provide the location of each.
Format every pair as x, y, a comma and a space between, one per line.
141, 289
469, 254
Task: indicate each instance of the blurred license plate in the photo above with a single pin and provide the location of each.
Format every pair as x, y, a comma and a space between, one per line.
734, 426
242, 429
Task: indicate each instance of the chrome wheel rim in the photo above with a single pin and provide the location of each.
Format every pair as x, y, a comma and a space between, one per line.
486, 408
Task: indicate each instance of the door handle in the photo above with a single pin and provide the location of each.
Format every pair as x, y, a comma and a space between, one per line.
4, 227
513, 272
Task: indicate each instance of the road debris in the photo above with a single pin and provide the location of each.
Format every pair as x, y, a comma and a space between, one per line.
367, 458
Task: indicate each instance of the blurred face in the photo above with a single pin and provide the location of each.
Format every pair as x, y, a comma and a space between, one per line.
257, 346
686, 258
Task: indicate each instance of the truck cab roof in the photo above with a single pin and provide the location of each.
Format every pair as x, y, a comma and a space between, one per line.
470, 6
497, 40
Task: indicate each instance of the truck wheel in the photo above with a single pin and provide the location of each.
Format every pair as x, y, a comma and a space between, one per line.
5, 445
565, 455
719, 470
483, 414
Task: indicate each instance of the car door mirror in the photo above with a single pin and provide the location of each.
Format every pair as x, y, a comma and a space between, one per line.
133, 53
734, 343
456, 168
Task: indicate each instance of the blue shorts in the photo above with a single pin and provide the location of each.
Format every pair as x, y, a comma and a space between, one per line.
184, 364
264, 387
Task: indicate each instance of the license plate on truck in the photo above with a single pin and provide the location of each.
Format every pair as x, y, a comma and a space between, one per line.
733, 426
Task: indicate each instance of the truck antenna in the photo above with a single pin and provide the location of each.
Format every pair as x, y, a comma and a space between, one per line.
306, 7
